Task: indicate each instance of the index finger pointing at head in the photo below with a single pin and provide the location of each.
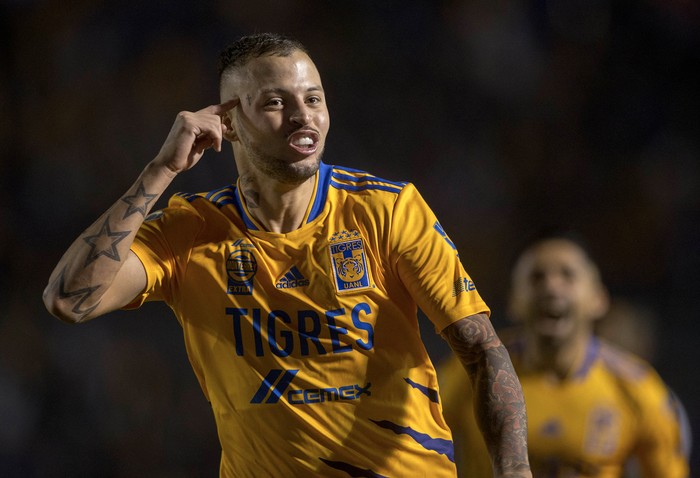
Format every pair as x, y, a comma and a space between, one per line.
222, 108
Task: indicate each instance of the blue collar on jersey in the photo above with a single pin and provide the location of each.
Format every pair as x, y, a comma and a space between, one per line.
323, 181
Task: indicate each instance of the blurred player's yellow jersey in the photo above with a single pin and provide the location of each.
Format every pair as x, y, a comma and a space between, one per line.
307, 343
613, 408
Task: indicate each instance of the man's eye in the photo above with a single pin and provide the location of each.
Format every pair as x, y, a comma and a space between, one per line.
274, 102
568, 273
313, 100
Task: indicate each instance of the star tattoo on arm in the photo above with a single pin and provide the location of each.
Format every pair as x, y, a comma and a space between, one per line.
104, 243
80, 295
138, 202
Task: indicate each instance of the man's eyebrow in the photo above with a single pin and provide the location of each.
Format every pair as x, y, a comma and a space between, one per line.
283, 91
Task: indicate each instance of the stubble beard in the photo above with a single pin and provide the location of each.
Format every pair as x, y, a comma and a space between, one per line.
280, 170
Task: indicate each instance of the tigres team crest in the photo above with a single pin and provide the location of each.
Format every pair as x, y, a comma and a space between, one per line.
349, 261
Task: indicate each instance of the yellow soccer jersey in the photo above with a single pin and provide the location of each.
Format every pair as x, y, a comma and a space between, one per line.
613, 408
307, 343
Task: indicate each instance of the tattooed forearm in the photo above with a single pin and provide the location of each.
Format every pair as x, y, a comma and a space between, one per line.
138, 202
104, 243
96, 274
503, 419
78, 296
499, 402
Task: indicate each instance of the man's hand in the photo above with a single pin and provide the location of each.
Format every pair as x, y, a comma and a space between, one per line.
191, 135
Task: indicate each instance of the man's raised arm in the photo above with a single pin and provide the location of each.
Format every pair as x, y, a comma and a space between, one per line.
498, 397
98, 273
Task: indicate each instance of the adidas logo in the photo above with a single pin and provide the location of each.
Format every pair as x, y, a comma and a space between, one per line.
293, 278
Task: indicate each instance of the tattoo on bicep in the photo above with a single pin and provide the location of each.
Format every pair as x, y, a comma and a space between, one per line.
104, 243
80, 295
469, 337
138, 202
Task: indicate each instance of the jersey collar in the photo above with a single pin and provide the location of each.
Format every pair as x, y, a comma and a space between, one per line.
316, 205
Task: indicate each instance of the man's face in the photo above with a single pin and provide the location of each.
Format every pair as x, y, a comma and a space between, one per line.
556, 291
282, 121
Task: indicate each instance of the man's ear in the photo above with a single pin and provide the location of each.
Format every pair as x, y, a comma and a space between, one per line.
230, 133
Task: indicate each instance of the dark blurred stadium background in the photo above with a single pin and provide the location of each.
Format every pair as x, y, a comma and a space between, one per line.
509, 116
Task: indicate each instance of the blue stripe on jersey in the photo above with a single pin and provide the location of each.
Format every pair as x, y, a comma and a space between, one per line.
268, 384
241, 210
365, 177
438, 445
221, 197
324, 176
589, 359
295, 272
428, 392
351, 470
362, 181
365, 187
189, 197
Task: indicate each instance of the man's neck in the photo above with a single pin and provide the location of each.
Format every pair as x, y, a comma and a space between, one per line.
560, 360
276, 206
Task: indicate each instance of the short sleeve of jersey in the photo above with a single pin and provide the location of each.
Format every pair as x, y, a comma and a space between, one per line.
428, 263
163, 245
661, 447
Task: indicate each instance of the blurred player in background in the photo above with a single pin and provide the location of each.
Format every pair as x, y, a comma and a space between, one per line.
592, 407
297, 289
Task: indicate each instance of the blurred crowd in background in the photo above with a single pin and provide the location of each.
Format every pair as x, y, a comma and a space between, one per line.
509, 116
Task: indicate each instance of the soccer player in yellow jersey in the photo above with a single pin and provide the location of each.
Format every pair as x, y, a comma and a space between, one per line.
592, 407
297, 288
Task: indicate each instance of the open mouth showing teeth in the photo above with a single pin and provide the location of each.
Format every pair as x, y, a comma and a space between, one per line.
305, 142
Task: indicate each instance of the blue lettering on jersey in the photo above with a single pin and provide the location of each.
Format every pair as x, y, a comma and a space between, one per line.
300, 332
277, 381
292, 279
336, 331
462, 284
305, 335
355, 315
285, 334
